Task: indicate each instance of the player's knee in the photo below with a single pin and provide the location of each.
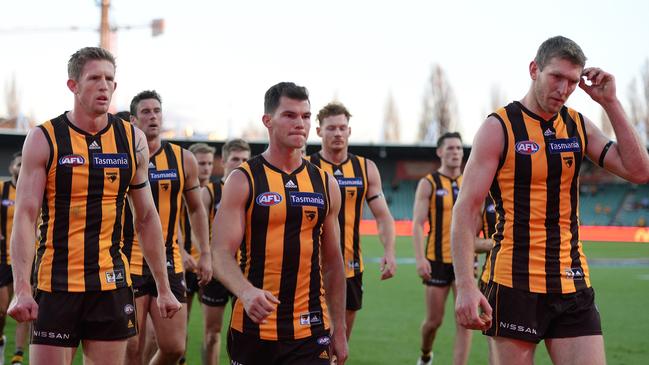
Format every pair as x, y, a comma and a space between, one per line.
432, 324
173, 349
212, 338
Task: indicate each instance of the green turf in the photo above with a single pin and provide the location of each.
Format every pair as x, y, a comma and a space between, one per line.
387, 328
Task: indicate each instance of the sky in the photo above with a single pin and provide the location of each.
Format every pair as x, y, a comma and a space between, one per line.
216, 59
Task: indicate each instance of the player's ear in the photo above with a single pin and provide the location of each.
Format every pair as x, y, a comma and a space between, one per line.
318, 131
72, 85
534, 70
266, 118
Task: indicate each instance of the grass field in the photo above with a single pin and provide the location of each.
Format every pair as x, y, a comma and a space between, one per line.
387, 328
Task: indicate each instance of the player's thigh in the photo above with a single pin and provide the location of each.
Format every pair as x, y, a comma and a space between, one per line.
213, 317
170, 332
103, 352
435, 301
509, 351
584, 350
49, 355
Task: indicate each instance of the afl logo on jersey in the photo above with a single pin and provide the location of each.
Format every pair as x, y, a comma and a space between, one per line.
72, 160
268, 199
526, 147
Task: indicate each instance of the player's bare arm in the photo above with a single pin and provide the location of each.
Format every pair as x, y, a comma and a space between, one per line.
29, 197
334, 273
384, 221
197, 216
627, 157
147, 225
257, 303
478, 174
419, 217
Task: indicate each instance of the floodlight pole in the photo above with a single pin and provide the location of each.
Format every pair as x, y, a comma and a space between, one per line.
104, 26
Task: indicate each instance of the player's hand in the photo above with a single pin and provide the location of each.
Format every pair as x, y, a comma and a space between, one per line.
339, 347
23, 308
204, 269
388, 266
423, 269
602, 85
472, 310
258, 303
189, 263
168, 305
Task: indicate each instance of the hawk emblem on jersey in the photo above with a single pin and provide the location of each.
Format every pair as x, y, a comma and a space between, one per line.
111, 176
568, 161
351, 193
527, 147
72, 160
268, 199
310, 215
165, 186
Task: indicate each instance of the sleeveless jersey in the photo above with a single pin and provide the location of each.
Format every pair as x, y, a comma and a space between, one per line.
442, 198
167, 180
352, 180
87, 180
280, 251
8, 191
535, 191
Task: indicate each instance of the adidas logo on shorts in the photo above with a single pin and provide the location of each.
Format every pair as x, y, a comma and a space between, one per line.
324, 355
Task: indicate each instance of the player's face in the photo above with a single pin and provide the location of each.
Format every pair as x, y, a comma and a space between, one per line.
289, 125
334, 132
148, 117
235, 158
14, 167
205, 163
555, 83
95, 87
451, 152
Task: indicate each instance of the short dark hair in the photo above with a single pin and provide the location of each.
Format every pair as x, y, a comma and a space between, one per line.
143, 95
333, 109
287, 89
447, 135
562, 48
16, 155
79, 59
123, 115
236, 144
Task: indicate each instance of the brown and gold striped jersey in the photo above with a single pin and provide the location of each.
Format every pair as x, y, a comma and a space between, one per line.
487, 231
535, 191
87, 180
444, 191
280, 251
351, 176
214, 189
8, 191
167, 180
